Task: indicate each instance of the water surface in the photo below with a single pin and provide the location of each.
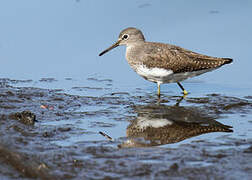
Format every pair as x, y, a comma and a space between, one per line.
50, 67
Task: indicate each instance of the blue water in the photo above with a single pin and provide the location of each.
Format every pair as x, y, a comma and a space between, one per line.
62, 39
42, 38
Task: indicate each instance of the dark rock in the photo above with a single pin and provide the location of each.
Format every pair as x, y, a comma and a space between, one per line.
25, 117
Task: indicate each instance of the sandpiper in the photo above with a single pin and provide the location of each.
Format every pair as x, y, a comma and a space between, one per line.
163, 63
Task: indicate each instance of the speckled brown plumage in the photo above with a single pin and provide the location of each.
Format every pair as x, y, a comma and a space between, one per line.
172, 57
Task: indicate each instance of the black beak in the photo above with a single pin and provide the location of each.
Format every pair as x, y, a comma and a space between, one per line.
111, 47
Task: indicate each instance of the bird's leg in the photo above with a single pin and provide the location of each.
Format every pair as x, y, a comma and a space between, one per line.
158, 92
183, 89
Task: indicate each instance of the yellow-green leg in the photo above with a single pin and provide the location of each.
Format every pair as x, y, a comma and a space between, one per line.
158, 92
183, 89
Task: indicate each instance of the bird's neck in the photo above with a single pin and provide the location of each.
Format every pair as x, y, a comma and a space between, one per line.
132, 52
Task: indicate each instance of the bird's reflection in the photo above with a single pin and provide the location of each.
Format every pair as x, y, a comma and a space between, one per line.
162, 124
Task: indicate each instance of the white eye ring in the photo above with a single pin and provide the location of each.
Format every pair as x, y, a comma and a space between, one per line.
125, 36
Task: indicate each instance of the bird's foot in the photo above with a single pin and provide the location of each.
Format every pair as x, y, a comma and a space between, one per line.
185, 92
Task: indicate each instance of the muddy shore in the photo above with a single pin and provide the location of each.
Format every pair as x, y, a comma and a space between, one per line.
28, 147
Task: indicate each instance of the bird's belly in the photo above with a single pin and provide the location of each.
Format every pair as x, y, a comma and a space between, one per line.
161, 75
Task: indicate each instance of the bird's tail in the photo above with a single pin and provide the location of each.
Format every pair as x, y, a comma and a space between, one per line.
227, 60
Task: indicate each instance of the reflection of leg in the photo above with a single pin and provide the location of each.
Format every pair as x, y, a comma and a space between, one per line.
179, 100
183, 89
158, 92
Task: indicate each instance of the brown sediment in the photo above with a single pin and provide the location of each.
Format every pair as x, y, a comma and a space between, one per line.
25, 164
58, 144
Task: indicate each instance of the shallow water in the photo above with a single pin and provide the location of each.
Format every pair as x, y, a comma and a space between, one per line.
50, 67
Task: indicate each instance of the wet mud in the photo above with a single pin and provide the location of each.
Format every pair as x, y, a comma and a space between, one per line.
35, 123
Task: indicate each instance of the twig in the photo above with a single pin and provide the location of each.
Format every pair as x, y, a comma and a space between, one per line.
106, 136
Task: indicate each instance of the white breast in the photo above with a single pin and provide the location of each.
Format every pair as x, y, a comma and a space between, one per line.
153, 74
161, 75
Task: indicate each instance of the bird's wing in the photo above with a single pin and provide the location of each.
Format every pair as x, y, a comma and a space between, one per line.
178, 59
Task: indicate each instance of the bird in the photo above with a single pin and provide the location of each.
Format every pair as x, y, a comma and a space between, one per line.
163, 63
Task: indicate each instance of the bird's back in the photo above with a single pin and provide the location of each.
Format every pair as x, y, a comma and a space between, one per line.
175, 58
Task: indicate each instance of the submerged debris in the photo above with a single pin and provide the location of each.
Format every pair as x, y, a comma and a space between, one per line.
106, 136
25, 117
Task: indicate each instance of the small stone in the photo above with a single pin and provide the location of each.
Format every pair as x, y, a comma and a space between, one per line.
25, 117
174, 167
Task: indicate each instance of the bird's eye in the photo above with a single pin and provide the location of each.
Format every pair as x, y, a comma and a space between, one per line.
125, 36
